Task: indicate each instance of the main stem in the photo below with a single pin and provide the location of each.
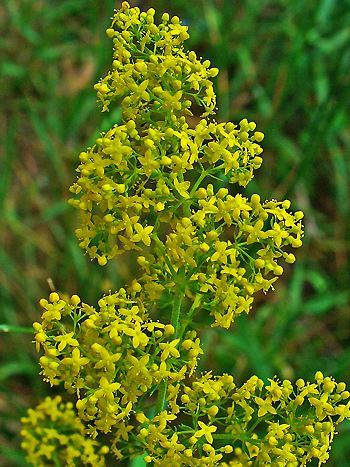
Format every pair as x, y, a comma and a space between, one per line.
175, 321
176, 312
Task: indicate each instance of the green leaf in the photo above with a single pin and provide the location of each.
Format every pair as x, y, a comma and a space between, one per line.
8, 328
137, 462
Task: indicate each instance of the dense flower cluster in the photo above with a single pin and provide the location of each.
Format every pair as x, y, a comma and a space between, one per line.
145, 183
169, 190
152, 76
135, 179
111, 357
54, 435
225, 272
212, 420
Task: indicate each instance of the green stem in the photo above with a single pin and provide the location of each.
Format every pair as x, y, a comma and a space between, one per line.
161, 401
56, 460
160, 245
176, 311
232, 438
198, 182
175, 321
189, 314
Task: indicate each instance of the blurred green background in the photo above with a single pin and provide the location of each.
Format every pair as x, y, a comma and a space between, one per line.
282, 64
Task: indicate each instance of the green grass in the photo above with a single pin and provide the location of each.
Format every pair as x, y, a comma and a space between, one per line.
282, 64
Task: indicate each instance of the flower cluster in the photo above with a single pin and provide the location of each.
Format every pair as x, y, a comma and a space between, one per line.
54, 435
213, 422
225, 273
135, 179
152, 76
168, 189
145, 184
111, 357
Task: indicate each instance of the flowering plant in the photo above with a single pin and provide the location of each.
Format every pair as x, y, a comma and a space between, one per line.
162, 187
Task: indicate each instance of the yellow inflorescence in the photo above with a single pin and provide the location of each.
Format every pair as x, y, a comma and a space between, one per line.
151, 183
86, 349
167, 188
217, 421
54, 435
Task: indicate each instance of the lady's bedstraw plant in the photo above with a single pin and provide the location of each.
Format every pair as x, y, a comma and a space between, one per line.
163, 185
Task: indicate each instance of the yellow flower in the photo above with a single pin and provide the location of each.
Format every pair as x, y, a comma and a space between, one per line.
142, 234
265, 406
66, 339
107, 389
139, 338
169, 348
205, 430
76, 361
182, 187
